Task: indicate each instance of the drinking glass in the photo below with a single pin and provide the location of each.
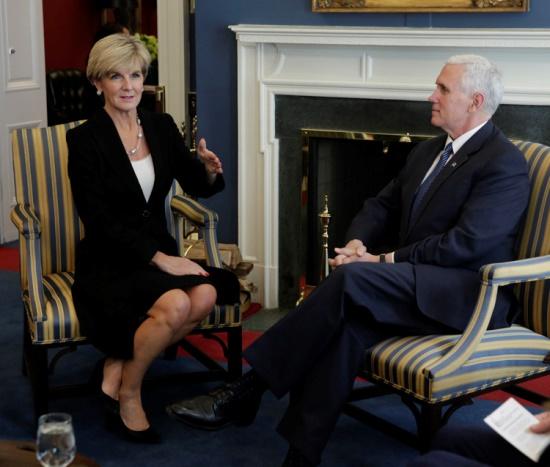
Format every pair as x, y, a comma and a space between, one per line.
55, 444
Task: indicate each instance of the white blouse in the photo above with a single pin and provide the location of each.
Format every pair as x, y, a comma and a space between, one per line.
145, 173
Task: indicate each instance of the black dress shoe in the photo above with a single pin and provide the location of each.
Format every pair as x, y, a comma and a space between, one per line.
237, 402
295, 458
116, 424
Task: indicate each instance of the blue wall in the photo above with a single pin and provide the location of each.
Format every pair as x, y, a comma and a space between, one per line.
216, 62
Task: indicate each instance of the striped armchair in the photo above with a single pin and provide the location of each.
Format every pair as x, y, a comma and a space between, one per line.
49, 229
435, 371
187, 212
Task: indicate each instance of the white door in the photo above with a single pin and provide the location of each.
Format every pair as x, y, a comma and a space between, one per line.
22, 89
171, 18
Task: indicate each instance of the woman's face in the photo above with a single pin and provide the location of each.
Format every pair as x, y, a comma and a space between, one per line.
122, 88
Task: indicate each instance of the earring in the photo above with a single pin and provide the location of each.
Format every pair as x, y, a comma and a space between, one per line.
98, 92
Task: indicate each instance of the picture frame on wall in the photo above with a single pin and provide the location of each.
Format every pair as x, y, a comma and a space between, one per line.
419, 6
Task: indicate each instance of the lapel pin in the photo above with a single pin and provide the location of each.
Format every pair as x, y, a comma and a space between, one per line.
453, 164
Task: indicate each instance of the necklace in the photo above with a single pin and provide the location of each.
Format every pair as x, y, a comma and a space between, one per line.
134, 150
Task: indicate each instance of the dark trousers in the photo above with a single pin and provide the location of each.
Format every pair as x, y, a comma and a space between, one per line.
316, 351
475, 447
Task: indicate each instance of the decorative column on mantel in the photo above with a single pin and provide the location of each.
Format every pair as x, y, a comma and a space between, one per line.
350, 62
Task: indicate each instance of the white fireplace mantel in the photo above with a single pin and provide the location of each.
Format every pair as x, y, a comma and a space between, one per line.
352, 62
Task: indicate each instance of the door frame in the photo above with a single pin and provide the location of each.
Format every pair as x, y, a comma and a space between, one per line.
173, 60
22, 90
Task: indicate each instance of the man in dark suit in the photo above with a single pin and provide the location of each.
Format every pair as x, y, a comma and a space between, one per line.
456, 205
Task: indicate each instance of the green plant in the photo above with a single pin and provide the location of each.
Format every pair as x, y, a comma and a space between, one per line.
151, 43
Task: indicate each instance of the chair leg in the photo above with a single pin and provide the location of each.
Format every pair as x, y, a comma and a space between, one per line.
234, 352
35, 366
24, 347
428, 424
36, 358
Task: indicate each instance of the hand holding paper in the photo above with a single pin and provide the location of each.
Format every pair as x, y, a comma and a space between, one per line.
513, 422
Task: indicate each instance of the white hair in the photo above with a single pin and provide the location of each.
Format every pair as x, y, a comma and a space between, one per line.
481, 76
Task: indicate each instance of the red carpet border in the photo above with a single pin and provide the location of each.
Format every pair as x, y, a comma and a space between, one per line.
211, 348
9, 259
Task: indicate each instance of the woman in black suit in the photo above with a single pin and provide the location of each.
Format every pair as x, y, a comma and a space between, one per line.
133, 294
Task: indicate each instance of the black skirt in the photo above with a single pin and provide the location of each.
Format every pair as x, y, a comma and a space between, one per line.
111, 317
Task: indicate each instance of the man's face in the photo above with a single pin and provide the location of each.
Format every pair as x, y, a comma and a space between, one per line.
451, 107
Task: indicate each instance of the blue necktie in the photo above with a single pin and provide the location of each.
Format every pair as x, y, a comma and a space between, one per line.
425, 185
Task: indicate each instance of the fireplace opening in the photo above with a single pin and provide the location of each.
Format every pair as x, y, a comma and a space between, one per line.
346, 167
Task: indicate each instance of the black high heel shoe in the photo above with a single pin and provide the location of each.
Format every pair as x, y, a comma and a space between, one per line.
110, 405
115, 423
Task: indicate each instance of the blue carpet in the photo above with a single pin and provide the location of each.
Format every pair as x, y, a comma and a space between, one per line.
352, 444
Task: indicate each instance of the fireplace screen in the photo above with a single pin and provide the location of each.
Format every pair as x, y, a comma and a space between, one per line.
347, 167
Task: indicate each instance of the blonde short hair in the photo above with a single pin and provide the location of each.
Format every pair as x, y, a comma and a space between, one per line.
114, 52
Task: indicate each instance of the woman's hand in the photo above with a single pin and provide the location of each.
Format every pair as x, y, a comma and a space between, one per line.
209, 159
176, 265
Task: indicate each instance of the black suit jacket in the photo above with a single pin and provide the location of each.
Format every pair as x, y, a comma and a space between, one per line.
122, 229
469, 217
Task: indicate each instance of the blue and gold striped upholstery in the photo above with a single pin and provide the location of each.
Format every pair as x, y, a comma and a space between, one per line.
439, 368
49, 229
206, 220
535, 239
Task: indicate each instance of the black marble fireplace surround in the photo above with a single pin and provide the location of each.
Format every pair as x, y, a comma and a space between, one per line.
294, 113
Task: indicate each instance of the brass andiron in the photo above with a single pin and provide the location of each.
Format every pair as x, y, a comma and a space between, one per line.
324, 217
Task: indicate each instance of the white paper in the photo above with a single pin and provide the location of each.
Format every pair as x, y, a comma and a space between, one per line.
512, 421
